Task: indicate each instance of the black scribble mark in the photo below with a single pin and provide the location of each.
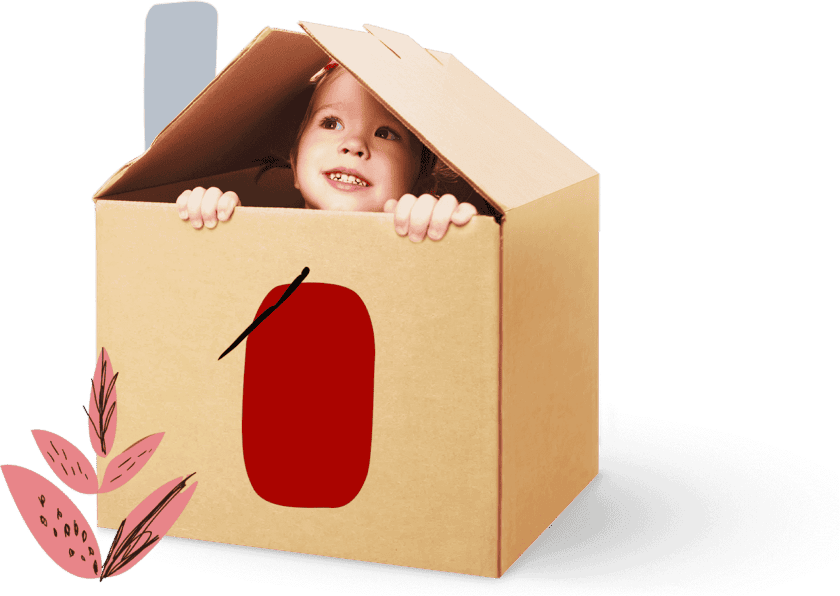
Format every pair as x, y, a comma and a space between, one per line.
112, 479
75, 528
96, 569
42, 499
65, 469
53, 446
58, 514
64, 454
44, 521
84, 539
80, 469
66, 530
129, 467
55, 532
72, 552
83, 557
90, 551
125, 462
292, 287
86, 477
73, 470
51, 457
141, 455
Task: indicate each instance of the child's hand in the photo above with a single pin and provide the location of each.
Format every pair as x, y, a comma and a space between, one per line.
206, 207
427, 216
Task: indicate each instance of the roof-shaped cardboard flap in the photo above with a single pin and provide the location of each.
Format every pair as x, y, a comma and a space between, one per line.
504, 154
234, 120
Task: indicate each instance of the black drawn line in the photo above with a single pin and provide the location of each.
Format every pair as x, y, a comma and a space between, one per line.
65, 469
125, 553
292, 287
53, 446
73, 470
129, 467
112, 479
64, 454
80, 468
142, 453
125, 462
51, 457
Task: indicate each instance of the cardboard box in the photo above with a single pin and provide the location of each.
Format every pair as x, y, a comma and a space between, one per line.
484, 419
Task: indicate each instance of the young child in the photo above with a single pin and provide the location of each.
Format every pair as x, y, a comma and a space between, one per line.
352, 154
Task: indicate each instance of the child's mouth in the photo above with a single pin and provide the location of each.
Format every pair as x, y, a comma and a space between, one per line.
346, 180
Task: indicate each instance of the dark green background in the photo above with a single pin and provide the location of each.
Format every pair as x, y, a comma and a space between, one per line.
715, 131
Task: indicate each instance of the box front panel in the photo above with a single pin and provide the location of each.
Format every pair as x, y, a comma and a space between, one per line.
171, 299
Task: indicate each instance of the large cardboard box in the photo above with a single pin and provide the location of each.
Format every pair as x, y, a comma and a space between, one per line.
482, 425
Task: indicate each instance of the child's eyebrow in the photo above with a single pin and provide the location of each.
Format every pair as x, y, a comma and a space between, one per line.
331, 106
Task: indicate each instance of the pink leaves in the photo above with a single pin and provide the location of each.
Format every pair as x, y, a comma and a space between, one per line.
55, 522
102, 411
65, 535
68, 463
75, 471
66, 460
142, 529
126, 465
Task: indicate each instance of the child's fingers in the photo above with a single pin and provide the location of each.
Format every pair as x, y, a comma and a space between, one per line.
209, 204
194, 207
402, 212
227, 203
441, 215
390, 206
421, 215
463, 214
181, 205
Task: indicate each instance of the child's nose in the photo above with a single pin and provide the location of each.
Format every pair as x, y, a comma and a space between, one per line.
353, 145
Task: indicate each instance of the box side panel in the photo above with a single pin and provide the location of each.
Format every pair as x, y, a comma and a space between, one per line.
171, 299
549, 404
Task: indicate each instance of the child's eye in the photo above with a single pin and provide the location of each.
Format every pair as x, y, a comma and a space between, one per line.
387, 134
331, 123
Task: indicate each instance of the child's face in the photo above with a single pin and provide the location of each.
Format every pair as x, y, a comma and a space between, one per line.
353, 155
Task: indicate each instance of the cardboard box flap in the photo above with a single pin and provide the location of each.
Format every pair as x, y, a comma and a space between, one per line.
234, 122
504, 154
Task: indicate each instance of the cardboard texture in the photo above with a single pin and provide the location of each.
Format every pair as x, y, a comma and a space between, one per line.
485, 405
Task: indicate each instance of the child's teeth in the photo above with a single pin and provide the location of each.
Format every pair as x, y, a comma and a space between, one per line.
347, 179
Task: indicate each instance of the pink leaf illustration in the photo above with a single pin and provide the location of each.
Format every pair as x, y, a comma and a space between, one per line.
102, 411
144, 526
68, 463
54, 521
126, 465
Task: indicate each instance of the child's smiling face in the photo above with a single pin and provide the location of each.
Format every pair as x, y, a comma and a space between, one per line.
353, 155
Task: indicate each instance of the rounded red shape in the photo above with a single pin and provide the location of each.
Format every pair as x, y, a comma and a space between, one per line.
307, 404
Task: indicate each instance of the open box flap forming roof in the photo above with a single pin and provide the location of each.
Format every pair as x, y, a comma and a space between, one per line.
447, 106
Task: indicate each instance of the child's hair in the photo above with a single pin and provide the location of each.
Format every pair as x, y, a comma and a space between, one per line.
434, 174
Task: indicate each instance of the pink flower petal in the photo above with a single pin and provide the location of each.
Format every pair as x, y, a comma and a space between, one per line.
55, 522
68, 463
146, 524
125, 466
102, 408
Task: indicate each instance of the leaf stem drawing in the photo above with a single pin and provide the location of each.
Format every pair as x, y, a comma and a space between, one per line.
100, 401
125, 552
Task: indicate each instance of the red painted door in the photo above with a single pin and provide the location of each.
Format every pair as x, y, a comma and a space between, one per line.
307, 405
